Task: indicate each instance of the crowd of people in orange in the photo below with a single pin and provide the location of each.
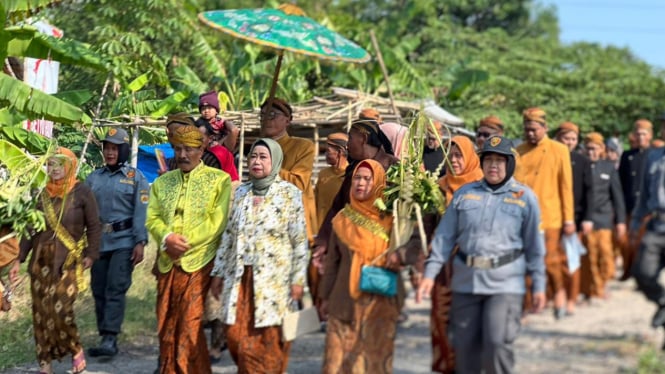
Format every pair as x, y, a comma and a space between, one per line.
530, 223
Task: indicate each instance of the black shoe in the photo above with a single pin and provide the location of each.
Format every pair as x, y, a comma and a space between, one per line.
559, 313
658, 318
108, 347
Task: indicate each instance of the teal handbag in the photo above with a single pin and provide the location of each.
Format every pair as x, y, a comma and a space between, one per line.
378, 281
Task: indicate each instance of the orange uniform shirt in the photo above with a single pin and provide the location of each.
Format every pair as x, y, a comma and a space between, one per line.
297, 168
546, 168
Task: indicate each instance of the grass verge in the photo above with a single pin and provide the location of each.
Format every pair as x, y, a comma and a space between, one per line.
140, 326
651, 361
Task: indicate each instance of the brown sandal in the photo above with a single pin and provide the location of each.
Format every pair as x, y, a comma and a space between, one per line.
78, 363
45, 368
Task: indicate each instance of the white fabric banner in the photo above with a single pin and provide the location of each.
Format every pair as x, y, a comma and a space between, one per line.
43, 75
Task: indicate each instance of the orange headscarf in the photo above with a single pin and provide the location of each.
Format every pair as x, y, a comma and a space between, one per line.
63, 186
472, 172
362, 228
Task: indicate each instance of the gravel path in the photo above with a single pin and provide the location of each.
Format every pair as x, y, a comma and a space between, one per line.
606, 337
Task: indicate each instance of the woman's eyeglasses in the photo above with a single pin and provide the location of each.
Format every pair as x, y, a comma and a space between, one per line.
482, 134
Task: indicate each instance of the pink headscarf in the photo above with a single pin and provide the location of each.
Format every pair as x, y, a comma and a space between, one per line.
395, 133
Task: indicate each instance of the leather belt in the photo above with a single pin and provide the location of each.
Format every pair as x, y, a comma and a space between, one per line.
117, 226
483, 262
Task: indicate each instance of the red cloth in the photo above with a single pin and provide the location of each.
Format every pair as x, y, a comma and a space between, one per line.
225, 158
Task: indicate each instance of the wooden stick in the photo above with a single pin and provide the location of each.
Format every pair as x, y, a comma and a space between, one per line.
135, 146
96, 114
273, 87
379, 57
316, 141
241, 149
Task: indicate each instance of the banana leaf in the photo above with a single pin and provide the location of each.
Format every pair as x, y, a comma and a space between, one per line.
14, 158
37, 104
22, 9
75, 97
22, 177
27, 41
31, 141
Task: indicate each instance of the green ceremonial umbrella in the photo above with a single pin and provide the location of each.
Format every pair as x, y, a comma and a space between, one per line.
285, 28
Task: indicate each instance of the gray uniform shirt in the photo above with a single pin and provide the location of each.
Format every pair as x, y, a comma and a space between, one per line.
652, 198
490, 223
121, 195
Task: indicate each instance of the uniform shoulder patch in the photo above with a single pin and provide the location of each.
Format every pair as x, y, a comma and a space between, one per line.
131, 174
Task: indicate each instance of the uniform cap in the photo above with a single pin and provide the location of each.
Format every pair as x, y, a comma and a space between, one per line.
498, 144
116, 136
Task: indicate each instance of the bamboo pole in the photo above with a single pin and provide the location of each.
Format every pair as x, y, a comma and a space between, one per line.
135, 146
92, 127
316, 142
241, 149
379, 56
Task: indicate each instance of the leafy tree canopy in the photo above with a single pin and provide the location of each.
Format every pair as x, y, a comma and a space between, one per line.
474, 57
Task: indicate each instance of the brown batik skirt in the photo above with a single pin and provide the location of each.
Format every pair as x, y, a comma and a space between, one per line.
255, 350
180, 308
53, 296
365, 345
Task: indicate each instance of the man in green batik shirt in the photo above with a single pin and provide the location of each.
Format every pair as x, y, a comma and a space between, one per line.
187, 213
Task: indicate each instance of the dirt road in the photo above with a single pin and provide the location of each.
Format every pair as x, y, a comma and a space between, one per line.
606, 337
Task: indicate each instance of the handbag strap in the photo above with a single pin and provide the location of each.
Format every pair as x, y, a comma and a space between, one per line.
377, 258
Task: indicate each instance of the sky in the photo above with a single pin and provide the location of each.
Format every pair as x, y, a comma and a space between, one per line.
636, 24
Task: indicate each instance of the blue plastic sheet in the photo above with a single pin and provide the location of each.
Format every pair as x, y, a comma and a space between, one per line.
147, 161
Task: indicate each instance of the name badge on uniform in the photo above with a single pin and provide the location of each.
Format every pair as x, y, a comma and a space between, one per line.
518, 202
127, 181
604, 176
